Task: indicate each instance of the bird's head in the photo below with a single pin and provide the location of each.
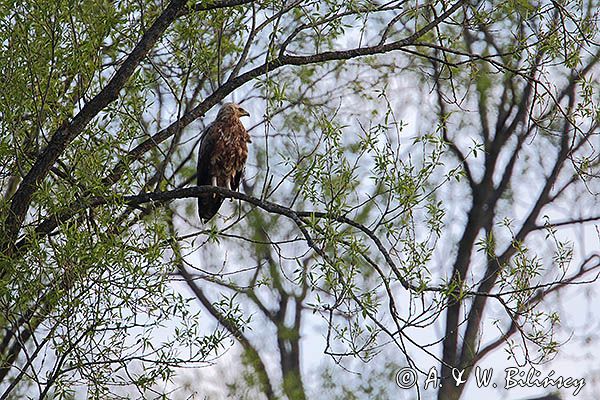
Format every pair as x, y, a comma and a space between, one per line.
229, 110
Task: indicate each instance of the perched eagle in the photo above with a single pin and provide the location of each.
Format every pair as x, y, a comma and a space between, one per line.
221, 157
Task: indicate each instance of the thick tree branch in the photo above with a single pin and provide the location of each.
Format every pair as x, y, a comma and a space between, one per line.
495, 265
480, 215
69, 131
212, 5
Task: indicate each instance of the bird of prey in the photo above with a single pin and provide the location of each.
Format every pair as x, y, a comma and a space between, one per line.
221, 157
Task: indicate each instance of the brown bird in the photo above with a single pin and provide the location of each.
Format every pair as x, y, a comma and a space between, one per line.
222, 156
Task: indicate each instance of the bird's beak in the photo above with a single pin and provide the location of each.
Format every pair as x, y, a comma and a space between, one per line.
244, 113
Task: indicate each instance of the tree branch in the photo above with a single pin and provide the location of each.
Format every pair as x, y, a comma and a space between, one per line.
69, 131
212, 5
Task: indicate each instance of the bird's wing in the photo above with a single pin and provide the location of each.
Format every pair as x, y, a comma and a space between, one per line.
208, 204
207, 145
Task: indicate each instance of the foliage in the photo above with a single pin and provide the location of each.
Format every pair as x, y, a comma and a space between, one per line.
407, 165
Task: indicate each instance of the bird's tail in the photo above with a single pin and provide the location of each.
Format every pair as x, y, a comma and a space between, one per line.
208, 206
